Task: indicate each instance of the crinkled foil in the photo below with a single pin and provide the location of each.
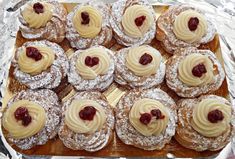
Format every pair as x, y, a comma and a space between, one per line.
220, 12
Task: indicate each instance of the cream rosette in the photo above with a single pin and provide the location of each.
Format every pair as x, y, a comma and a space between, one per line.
78, 125
186, 66
128, 21
182, 31
37, 20
101, 68
30, 66
156, 126
133, 58
15, 127
200, 120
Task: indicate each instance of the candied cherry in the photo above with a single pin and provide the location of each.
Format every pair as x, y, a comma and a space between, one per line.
38, 8
199, 70
193, 23
87, 113
85, 18
215, 116
145, 118
145, 59
22, 114
157, 113
91, 61
140, 20
33, 53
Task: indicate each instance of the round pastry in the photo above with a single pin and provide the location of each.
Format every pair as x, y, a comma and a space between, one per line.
40, 64
91, 69
31, 118
133, 22
88, 25
87, 123
184, 26
140, 66
204, 123
43, 20
192, 72
146, 119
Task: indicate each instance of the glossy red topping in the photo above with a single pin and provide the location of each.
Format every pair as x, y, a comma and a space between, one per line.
145, 118
33, 53
157, 113
91, 61
22, 114
85, 18
215, 115
38, 8
199, 70
193, 23
145, 59
87, 113
140, 20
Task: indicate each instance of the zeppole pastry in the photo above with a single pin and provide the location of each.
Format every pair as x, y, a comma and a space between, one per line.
133, 22
43, 20
139, 67
31, 118
146, 119
192, 72
88, 25
87, 123
184, 26
91, 69
40, 64
204, 123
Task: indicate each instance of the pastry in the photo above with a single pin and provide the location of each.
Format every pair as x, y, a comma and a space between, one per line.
146, 119
192, 72
204, 123
133, 22
184, 26
40, 64
87, 122
43, 20
139, 67
91, 69
88, 25
31, 118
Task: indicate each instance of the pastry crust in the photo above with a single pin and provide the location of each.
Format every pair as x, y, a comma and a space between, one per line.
117, 11
172, 76
166, 35
49, 101
103, 38
188, 137
53, 31
129, 135
127, 78
47, 79
89, 142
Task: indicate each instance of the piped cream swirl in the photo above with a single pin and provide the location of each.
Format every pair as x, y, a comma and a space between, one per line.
30, 66
75, 123
202, 125
92, 72
128, 20
93, 28
134, 55
181, 30
156, 126
35, 20
186, 66
15, 127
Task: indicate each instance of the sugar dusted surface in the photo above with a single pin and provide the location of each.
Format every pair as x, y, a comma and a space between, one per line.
49, 101
89, 142
101, 82
186, 133
47, 79
124, 76
103, 38
165, 23
182, 89
127, 133
117, 11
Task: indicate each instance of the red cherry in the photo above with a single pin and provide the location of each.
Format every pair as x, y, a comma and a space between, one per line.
38, 8
157, 113
91, 61
215, 115
85, 18
145, 59
87, 113
199, 70
20, 113
145, 118
140, 20
26, 120
193, 23
33, 53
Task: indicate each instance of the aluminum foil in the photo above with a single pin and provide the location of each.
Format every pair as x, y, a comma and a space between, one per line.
220, 12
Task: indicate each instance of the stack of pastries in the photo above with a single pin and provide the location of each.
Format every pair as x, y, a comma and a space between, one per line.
146, 116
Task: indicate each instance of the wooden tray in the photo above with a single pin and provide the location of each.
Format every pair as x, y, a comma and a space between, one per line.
116, 148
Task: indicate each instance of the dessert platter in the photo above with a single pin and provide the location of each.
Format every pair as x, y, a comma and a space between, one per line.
126, 79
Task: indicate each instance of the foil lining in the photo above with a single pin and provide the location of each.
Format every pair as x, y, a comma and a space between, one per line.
220, 12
